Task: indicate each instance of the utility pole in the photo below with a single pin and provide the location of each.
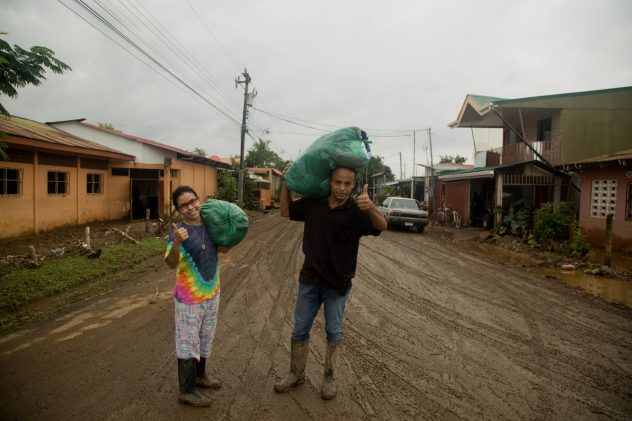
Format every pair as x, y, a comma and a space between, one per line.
412, 182
400, 166
432, 187
244, 129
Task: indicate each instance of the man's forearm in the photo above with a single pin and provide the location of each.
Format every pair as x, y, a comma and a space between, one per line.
286, 198
377, 219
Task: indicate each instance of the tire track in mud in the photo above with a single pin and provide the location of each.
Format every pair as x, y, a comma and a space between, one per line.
275, 255
514, 285
254, 290
530, 351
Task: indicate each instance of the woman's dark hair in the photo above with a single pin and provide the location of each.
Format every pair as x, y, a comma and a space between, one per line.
180, 190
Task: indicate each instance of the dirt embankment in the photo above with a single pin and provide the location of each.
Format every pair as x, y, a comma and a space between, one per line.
432, 331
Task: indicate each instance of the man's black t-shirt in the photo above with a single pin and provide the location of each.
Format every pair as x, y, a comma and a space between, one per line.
331, 238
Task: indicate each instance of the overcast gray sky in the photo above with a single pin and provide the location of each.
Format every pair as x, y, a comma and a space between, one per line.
389, 67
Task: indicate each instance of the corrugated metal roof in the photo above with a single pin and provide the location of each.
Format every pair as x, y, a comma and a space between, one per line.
621, 155
471, 111
475, 111
30, 129
139, 139
181, 153
520, 101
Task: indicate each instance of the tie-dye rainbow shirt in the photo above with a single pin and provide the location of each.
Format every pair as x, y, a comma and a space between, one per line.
197, 273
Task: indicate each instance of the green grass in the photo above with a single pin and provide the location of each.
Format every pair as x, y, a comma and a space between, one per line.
116, 263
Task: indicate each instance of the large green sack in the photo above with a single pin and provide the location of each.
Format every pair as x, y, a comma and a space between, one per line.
309, 174
227, 223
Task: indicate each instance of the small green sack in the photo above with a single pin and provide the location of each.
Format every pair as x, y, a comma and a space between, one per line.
227, 223
309, 174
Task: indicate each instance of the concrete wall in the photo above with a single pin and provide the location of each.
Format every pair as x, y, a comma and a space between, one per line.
119, 196
18, 212
594, 227
92, 206
147, 154
35, 210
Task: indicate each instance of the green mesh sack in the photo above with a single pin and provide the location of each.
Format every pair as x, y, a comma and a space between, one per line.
309, 174
227, 223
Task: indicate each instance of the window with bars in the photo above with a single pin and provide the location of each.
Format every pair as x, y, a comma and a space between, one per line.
10, 182
544, 129
95, 184
58, 182
603, 198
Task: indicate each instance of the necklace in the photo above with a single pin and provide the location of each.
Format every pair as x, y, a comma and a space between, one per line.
203, 239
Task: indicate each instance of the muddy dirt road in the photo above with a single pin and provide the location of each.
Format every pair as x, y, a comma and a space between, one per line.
433, 331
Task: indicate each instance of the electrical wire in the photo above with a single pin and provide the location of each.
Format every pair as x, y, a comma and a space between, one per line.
133, 55
185, 64
212, 34
187, 56
141, 50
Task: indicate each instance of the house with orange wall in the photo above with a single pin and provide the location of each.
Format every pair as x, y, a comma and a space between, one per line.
157, 170
52, 178
274, 179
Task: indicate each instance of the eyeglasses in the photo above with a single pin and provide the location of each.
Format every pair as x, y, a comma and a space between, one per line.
191, 202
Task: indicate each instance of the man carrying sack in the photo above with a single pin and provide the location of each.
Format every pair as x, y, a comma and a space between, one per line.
332, 229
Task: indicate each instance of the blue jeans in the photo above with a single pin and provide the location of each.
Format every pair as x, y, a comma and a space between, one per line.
308, 301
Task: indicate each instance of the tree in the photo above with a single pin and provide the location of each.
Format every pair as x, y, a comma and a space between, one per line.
198, 151
227, 187
108, 126
375, 166
449, 159
19, 67
260, 155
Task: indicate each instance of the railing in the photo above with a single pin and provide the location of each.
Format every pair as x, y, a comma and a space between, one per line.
518, 152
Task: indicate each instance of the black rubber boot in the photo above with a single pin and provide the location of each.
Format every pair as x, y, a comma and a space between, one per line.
202, 379
186, 377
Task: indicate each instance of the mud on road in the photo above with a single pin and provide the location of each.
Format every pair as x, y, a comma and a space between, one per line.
432, 331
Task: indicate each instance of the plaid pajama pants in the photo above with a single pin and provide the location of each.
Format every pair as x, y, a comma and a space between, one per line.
195, 328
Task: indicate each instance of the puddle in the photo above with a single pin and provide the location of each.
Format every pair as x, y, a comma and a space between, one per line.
503, 255
620, 260
608, 289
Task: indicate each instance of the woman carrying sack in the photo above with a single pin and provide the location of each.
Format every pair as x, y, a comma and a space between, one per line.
193, 253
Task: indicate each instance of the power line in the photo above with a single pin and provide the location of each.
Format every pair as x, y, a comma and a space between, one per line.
396, 133
188, 57
114, 29
133, 55
175, 49
287, 120
213, 35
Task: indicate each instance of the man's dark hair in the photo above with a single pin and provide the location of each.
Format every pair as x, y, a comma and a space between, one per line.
180, 190
355, 173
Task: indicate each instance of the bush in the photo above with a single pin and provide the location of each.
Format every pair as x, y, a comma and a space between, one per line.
550, 225
227, 189
386, 191
578, 243
520, 222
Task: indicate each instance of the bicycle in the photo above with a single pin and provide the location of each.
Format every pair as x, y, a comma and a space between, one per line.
441, 216
456, 218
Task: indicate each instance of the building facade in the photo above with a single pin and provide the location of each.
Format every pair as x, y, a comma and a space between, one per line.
52, 179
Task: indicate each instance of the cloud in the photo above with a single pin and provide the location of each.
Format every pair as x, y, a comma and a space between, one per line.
381, 65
